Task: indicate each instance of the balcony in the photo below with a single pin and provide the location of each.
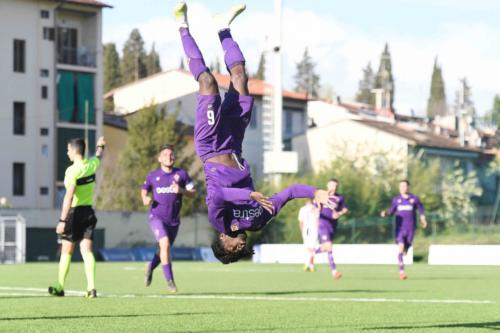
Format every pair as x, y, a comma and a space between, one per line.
79, 56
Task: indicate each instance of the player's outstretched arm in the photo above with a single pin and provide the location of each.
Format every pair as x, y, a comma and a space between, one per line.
263, 201
323, 197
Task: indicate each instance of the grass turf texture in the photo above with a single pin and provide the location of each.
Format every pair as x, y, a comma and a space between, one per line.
253, 298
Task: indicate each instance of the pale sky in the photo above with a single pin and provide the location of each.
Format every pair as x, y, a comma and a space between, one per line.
342, 37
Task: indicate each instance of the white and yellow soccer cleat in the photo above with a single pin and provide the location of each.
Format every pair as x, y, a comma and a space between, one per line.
180, 14
223, 20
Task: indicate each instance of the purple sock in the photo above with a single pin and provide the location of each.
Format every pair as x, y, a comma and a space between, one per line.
167, 271
401, 264
331, 262
232, 52
154, 262
193, 54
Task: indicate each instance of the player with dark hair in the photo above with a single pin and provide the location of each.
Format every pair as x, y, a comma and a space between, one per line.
167, 185
404, 207
233, 204
78, 221
328, 219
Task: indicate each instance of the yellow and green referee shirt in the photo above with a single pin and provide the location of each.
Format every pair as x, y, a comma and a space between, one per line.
81, 174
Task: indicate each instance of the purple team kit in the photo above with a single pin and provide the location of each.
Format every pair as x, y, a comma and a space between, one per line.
165, 209
327, 224
219, 129
404, 210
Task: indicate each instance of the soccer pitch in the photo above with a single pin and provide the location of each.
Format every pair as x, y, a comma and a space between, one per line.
248, 297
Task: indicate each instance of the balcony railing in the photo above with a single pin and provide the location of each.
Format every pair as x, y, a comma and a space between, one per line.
81, 56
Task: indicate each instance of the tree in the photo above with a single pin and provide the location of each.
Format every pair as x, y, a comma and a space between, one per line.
139, 157
153, 62
464, 106
112, 76
458, 188
306, 80
493, 115
436, 104
133, 65
384, 79
260, 74
365, 87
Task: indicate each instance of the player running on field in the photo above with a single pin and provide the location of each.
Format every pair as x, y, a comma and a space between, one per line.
404, 207
167, 185
328, 219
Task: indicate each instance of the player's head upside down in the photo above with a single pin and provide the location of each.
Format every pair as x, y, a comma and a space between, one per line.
228, 249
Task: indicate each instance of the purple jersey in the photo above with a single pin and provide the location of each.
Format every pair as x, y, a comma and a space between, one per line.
230, 208
405, 210
327, 224
166, 205
326, 214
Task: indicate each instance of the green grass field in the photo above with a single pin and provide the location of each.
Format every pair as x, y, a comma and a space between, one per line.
247, 297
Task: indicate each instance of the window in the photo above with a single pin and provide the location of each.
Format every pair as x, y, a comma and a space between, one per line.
44, 190
48, 33
45, 92
67, 46
75, 95
18, 179
288, 123
44, 131
44, 72
19, 55
19, 118
45, 150
44, 14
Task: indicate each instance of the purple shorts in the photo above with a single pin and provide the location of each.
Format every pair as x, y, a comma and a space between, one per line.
161, 229
326, 231
404, 235
220, 127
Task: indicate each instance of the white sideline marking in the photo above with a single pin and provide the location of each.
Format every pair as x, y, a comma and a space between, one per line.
16, 291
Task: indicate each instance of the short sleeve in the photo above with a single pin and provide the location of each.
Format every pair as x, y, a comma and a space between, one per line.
147, 184
188, 182
342, 204
70, 177
95, 163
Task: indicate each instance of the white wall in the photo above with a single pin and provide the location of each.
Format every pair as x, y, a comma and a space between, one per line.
125, 229
320, 145
380, 254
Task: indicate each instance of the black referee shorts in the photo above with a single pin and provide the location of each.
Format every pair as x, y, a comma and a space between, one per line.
80, 225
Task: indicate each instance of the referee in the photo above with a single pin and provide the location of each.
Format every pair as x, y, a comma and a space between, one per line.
77, 222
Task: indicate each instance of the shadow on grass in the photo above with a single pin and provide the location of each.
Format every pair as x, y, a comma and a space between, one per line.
62, 317
296, 292
492, 325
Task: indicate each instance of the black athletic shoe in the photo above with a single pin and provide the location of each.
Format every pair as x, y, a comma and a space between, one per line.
172, 288
54, 291
148, 275
91, 294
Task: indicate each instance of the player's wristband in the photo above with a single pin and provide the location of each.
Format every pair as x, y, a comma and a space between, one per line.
63, 221
101, 146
